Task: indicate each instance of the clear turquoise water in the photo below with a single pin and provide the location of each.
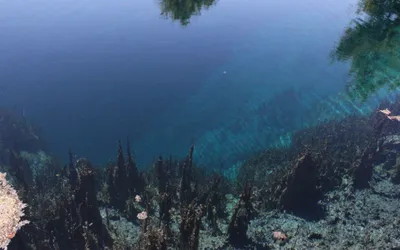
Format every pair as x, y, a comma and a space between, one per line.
240, 77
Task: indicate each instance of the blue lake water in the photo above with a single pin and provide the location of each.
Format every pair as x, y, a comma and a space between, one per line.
238, 78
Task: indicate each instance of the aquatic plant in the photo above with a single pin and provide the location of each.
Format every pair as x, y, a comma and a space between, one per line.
175, 204
11, 212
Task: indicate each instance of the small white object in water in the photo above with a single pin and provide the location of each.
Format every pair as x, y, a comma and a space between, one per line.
224, 72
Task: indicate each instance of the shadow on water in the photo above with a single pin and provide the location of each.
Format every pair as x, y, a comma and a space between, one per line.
183, 10
371, 45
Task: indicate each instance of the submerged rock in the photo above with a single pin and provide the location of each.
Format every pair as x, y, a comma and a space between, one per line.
300, 193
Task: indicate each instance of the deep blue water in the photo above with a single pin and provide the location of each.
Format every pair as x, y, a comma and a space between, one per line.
240, 77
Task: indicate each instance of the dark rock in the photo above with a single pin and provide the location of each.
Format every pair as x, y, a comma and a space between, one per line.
301, 193
243, 213
364, 168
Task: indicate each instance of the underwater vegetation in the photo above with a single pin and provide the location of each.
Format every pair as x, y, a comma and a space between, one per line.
333, 178
11, 212
184, 10
371, 45
333, 182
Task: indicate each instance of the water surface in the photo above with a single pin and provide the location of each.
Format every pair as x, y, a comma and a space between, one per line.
235, 78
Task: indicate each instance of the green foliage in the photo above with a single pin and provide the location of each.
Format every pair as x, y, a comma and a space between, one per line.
371, 44
183, 10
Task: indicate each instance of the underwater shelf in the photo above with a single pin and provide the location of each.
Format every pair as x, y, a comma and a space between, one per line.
233, 143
